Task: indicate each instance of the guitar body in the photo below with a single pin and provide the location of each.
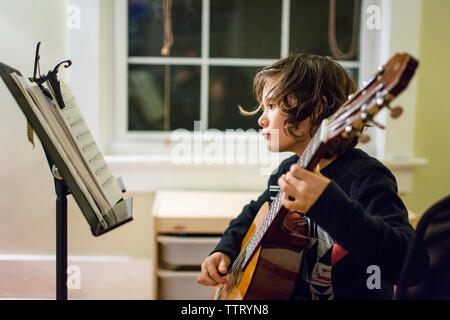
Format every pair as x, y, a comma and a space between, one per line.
272, 271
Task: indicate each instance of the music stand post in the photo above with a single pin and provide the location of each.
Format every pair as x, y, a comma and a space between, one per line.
62, 192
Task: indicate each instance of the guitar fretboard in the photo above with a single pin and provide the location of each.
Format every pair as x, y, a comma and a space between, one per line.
276, 204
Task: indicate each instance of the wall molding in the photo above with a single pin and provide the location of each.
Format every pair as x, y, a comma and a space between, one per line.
148, 174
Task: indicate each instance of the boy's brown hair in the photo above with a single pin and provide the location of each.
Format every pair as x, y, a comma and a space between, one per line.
320, 86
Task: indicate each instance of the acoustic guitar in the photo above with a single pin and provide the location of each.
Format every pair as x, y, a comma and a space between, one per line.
269, 260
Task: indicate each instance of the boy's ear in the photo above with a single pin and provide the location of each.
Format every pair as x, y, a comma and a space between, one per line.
321, 105
316, 114
292, 100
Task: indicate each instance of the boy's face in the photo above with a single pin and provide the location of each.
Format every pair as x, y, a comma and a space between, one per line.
272, 121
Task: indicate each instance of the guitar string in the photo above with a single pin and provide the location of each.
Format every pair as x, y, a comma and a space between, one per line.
256, 238
261, 229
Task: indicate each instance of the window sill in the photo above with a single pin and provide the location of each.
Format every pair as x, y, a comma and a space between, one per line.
151, 173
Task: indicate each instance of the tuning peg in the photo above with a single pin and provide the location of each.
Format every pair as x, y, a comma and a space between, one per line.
364, 138
395, 112
364, 115
379, 101
348, 131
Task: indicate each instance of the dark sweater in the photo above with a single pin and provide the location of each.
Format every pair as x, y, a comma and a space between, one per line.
360, 212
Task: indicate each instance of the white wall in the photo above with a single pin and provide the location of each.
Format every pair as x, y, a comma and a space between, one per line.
26, 190
405, 37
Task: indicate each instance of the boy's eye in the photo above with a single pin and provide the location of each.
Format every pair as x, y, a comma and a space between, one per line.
271, 106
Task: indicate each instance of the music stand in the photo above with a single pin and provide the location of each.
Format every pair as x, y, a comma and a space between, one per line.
65, 184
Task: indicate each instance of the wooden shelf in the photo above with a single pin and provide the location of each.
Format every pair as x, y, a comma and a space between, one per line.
178, 212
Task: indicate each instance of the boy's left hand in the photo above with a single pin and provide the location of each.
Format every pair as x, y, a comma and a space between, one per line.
302, 185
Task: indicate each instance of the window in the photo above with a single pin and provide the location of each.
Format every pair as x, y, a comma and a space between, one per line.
218, 46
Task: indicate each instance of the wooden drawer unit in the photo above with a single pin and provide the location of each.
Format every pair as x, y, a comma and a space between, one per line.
187, 227
176, 251
181, 285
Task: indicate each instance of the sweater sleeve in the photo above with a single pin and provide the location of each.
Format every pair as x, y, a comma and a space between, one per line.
371, 223
230, 243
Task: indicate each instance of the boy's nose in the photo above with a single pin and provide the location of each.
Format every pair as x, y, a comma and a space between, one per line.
262, 121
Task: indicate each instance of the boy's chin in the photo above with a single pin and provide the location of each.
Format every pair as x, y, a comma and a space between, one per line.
275, 148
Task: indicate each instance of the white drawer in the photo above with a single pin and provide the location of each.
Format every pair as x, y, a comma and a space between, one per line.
185, 251
181, 285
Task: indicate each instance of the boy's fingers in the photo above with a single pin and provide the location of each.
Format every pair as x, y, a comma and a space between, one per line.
288, 203
223, 267
286, 187
299, 172
303, 174
293, 180
204, 278
213, 274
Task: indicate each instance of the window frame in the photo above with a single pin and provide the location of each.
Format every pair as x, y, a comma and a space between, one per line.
123, 141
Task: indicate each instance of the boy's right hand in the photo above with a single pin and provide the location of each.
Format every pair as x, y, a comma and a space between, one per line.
212, 268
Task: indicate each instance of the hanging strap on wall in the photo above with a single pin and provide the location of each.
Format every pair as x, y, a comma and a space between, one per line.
165, 51
332, 41
167, 21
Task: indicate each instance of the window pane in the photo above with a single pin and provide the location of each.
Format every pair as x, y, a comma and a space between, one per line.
146, 97
245, 29
354, 74
146, 32
309, 26
230, 87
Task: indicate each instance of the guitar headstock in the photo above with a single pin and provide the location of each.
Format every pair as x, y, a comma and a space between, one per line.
359, 110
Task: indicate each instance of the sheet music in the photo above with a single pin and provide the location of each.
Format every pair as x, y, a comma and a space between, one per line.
25, 84
58, 125
87, 146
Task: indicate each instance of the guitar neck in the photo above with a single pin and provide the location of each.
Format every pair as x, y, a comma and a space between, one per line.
308, 160
315, 149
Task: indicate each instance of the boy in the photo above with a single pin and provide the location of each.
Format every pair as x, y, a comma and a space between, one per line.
355, 220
